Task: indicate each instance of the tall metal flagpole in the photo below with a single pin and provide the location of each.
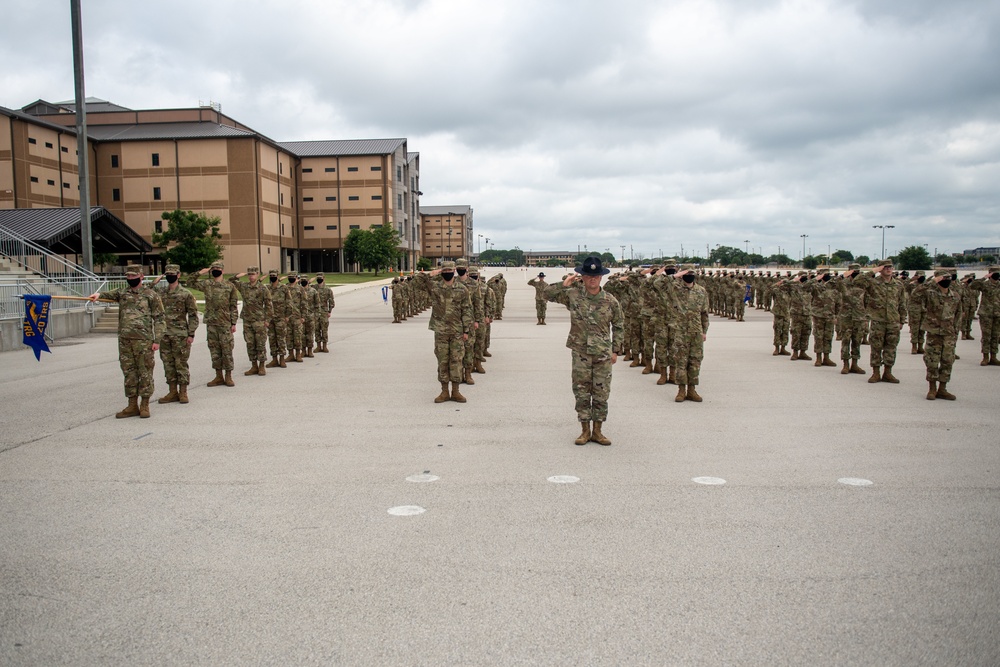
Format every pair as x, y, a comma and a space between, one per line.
86, 238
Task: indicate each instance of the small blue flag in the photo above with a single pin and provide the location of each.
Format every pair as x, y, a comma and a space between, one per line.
746, 298
385, 294
36, 318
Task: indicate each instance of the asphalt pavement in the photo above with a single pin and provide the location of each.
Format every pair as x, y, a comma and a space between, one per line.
330, 513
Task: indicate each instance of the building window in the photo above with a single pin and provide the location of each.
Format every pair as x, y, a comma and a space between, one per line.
376, 168
331, 199
116, 194
281, 199
353, 198
376, 197
64, 149
399, 202
330, 170
282, 229
156, 194
307, 199
355, 226
309, 228
307, 170
114, 161
281, 168
48, 144
32, 140
50, 182
158, 226
399, 174
331, 227
156, 159
34, 179
352, 169
66, 185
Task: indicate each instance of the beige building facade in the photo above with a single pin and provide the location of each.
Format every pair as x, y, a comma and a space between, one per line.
447, 232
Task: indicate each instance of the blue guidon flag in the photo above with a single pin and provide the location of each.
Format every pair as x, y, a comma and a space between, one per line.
746, 297
36, 318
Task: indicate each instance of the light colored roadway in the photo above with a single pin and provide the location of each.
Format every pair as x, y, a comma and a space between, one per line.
252, 527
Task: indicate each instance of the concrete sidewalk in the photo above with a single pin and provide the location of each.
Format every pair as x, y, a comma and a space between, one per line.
252, 525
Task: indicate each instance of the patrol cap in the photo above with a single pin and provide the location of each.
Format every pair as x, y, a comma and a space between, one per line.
802, 273
941, 272
134, 268
273, 272
320, 275
885, 262
918, 273
993, 269
253, 269
218, 265
172, 269
461, 262
853, 267
687, 267
448, 265
822, 272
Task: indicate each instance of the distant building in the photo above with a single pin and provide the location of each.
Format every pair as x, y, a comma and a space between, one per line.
543, 257
447, 232
982, 252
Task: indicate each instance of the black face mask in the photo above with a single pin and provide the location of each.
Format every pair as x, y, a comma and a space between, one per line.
134, 282
826, 278
995, 276
292, 281
671, 272
688, 278
303, 282
319, 280
474, 276
274, 279
921, 279
216, 273
945, 283
448, 276
803, 279
171, 278
460, 272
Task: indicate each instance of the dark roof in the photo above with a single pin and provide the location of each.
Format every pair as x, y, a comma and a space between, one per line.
28, 118
58, 229
457, 209
94, 105
193, 130
336, 147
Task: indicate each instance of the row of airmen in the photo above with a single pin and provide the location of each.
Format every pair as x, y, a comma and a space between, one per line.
290, 313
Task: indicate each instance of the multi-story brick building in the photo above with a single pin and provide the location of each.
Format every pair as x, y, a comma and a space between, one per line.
447, 232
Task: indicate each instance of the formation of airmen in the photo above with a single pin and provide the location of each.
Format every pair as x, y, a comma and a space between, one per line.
292, 318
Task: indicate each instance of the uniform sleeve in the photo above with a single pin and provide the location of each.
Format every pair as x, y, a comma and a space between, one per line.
234, 311
268, 306
467, 315
191, 306
617, 328
557, 294
159, 320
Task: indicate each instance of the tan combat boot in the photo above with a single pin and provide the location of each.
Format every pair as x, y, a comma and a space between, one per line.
171, 396
599, 437
298, 356
681, 393
144, 408
486, 353
539, 323
444, 395
804, 357
636, 361
468, 376
543, 321
857, 370
942, 392
993, 359
479, 367
254, 369
672, 376
876, 377
647, 367
656, 368
663, 376
272, 364
281, 361
819, 360
846, 369
784, 352
229, 379
795, 355
182, 393
827, 361
931, 390
777, 351
261, 368
326, 349
309, 352
218, 379
920, 347
584, 434
887, 376
456, 395
131, 410
913, 349
692, 394
985, 361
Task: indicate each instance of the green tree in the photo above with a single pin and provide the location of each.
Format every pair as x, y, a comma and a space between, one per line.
195, 237
946, 261
912, 258
608, 259
103, 259
781, 259
844, 255
424, 264
374, 248
863, 260
810, 262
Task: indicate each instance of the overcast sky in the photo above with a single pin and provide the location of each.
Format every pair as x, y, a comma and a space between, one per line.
648, 124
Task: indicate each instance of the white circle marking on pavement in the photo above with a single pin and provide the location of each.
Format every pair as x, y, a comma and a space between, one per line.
406, 510
423, 477
711, 481
855, 481
563, 479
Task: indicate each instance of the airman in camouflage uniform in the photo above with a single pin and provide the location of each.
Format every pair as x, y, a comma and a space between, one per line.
779, 311
451, 321
852, 320
489, 311
310, 306
942, 311
501, 295
886, 302
665, 328
295, 307
325, 304
799, 310
140, 327
824, 305
596, 338
540, 303
989, 314
689, 302
221, 315
257, 312
277, 326
180, 315
399, 308
469, 360
970, 302
915, 310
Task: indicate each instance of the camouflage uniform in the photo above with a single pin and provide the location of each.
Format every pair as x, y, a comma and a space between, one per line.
824, 305
310, 307
399, 309
691, 304
886, 303
989, 315
915, 310
469, 358
277, 326
540, 303
970, 302
140, 326
294, 308
779, 311
853, 321
180, 312
325, 304
597, 331
799, 310
942, 310
489, 312
221, 315
257, 312
451, 319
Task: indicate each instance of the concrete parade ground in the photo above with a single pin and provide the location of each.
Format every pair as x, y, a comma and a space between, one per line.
331, 514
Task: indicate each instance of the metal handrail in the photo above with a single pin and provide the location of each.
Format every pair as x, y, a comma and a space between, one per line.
35, 258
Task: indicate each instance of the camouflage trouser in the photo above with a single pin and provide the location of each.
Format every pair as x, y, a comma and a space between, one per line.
308, 331
486, 343
137, 361
294, 339
989, 329
648, 337
322, 328
916, 333
664, 339
482, 337
801, 327
967, 316
220, 346
884, 338
469, 355
398, 311
450, 351
780, 327
939, 356
591, 386
741, 307
277, 331
174, 353
540, 308
633, 335
852, 332
255, 335
823, 335
689, 350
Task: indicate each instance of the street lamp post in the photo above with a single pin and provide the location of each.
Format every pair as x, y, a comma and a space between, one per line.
883, 228
804, 237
